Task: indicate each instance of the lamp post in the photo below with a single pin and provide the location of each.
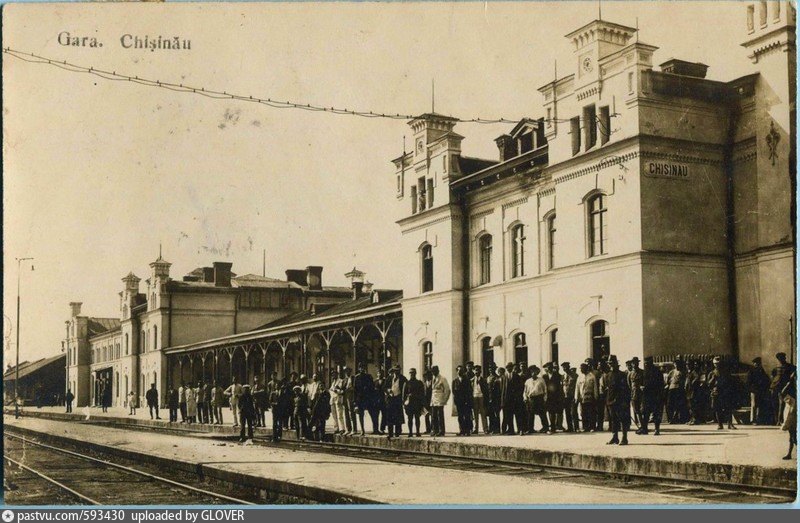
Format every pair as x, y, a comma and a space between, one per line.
16, 370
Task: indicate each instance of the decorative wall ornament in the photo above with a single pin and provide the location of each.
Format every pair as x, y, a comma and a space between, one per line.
772, 140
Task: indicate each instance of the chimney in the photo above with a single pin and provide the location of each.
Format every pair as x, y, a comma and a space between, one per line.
222, 274
75, 308
208, 274
506, 147
297, 276
357, 282
367, 287
314, 277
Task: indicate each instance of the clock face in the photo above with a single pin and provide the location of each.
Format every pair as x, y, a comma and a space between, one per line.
587, 64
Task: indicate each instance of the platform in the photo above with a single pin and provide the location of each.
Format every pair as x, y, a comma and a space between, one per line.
329, 478
750, 455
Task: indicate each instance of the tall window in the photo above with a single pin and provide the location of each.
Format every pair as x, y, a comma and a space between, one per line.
414, 199
155, 337
427, 268
604, 124
127, 344
518, 251
762, 12
487, 354
598, 226
485, 247
601, 343
427, 355
520, 348
590, 126
429, 192
575, 134
554, 345
551, 241
421, 193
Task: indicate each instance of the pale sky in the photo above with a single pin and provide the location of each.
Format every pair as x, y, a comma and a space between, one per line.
97, 173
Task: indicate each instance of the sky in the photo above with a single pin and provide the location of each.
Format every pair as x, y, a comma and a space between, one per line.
98, 173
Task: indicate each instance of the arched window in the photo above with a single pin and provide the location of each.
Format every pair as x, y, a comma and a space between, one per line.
601, 343
427, 268
427, 355
155, 337
598, 225
520, 348
554, 345
487, 354
518, 251
551, 241
485, 248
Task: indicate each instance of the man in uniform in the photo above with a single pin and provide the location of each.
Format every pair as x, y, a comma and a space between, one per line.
780, 377
570, 403
493, 400
70, 397
758, 385
618, 402
151, 396
652, 397
554, 400
720, 383
635, 385
480, 396
246, 408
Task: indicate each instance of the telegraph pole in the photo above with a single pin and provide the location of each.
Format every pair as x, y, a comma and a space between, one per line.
16, 370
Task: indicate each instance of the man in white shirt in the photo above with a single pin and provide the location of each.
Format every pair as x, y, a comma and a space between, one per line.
440, 394
535, 395
337, 402
234, 392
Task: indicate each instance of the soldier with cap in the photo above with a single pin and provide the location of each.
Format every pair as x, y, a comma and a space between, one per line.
413, 401
676, 392
554, 401
586, 391
758, 385
780, 377
652, 397
694, 383
247, 413
618, 400
635, 384
493, 404
569, 384
720, 383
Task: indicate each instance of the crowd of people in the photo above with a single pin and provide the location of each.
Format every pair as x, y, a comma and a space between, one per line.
516, 399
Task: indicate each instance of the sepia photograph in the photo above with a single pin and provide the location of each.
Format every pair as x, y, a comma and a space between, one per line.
442, 254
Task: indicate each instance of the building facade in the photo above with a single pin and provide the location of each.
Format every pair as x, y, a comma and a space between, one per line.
645, 211
127, 353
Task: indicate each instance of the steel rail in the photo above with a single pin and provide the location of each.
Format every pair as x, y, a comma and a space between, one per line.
53, 481
131, 470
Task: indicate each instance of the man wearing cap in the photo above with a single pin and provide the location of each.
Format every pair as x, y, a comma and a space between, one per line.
514, 403
720, 383
300, 412
618, 402
364, 397
394, 402
586, 394
440, 394
694, 383
247, 413
349, 400
635, 384
234, 392
780, 377
480, 396
554, 401
570, 403
413, 401
493, 404
462, 398
337, 402
535, 395
506, 404
676, 393
652, 397
758, 385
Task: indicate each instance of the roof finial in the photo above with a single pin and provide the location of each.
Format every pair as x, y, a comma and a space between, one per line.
159, 250
600, 9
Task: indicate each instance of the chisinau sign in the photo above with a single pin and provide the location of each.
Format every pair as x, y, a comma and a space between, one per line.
666, 170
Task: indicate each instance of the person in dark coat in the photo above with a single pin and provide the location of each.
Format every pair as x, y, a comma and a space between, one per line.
555, 396
618, 399
151, 396
506, 402
260, 400
413, 401
721, 385
70, 397
379, 399
462, 399
365, 398
780, 377
172, 404
652, 397
247, 413
758, 385
106, 397
694, 383
320, 405
493, 399
300, 412
394, 401
279, 403
635, 384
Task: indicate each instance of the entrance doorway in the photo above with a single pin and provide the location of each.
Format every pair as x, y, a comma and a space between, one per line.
487, 353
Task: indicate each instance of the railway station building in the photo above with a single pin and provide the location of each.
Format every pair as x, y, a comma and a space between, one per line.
642, 209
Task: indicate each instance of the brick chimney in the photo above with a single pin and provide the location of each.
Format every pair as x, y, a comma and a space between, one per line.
297, 276
314, 277
222, 274
75, 308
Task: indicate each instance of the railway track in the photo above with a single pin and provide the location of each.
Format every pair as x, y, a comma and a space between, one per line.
36, 471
